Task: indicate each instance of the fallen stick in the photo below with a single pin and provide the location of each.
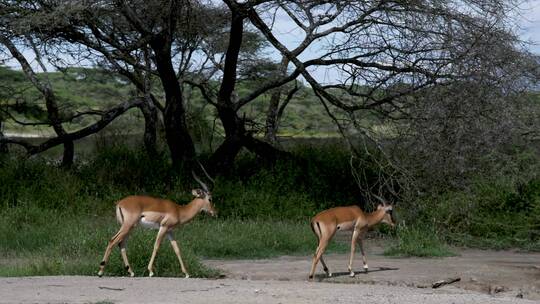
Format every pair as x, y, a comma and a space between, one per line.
445, 282
110, 288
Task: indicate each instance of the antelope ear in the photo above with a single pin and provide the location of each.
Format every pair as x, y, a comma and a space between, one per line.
388, 207
379, 206
195, 192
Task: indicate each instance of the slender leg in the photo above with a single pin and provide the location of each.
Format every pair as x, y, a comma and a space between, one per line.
324, 234
177, 251
159, 238
122, 246
118, 237
328, 273
353, 245
323, 243
360, 240
318, 254
325, 268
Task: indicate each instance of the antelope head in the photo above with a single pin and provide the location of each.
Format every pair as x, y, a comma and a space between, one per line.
388, 211
204, 193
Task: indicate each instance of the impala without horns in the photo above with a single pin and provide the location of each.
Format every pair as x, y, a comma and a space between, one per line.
328, 222
156, 213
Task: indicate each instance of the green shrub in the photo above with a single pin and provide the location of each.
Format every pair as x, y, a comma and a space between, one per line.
500, 212
36, 241
58, 221
418, 241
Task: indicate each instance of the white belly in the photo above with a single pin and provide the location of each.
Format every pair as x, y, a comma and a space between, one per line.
147, 224
346, 226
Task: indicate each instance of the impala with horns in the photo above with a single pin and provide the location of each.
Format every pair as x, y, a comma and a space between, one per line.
156, 213
352, 218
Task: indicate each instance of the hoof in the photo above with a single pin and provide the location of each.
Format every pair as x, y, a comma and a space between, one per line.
132, 274
366, 268
329, 274
187, 276
151, 274
310, 278
352, 274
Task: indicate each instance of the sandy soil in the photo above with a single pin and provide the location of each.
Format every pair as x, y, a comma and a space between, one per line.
508, 273
175, 290
486, 277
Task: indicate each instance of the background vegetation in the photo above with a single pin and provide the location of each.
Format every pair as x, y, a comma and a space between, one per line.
442, 123
59, 220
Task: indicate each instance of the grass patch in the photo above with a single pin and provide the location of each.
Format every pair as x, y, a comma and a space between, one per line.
418, 242
58, 221
495, 213
252, 239
37, 241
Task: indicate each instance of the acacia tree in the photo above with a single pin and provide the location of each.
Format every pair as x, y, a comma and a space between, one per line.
471, 126
44, 87
114, 31
19, 24
385, 52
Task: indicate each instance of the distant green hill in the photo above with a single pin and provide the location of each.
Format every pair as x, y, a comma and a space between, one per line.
80, 89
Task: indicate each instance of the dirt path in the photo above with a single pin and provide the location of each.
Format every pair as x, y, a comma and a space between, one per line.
175, 290
486, 277
490, 272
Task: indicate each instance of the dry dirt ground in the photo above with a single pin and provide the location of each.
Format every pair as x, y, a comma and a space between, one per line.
486, 277
501, 273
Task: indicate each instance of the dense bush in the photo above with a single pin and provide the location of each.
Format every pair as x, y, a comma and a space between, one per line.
291, 189
493, 212
58, 220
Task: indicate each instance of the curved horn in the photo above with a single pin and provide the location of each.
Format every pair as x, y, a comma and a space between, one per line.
206, 173
205, 187
380, 199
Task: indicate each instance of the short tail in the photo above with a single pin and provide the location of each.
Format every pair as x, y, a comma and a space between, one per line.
119, 214
314, 231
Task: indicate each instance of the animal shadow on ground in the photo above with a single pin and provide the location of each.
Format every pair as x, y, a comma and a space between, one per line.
322, 276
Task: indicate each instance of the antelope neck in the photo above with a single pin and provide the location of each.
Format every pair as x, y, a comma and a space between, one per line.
375, 217
189, 211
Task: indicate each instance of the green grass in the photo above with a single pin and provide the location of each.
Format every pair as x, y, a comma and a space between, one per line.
252, 239
497, 212
418, 241
38, 241
58, 221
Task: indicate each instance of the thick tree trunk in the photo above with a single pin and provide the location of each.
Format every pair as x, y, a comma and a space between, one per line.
223, 158
69, 154
3, 146
272, 114
55, 120
176, 132
271, 127
236, 136
150, 114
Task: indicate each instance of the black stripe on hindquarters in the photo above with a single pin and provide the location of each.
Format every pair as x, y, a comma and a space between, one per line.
121, 214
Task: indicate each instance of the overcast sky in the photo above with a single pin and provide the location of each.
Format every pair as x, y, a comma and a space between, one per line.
528, 19
530, 24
